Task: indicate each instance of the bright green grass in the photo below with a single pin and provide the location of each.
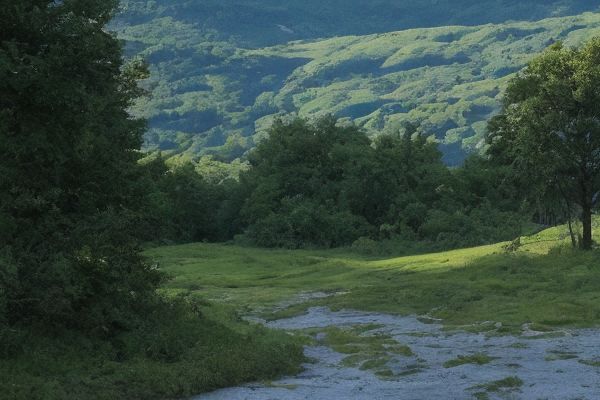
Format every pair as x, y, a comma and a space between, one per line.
544, 281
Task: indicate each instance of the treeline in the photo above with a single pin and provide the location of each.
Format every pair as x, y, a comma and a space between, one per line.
328, 185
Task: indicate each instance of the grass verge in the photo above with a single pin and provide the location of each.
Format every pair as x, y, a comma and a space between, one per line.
182, 351
543, 282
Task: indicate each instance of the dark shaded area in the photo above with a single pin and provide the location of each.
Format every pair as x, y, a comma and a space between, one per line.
193, 121
428, 60
453, 153
361, 109
263, 74
516, 33
266, 22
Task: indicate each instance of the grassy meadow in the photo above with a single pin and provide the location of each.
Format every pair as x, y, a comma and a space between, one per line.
543, 281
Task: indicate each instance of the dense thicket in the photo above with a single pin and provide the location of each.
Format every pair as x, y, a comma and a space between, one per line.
188, 202
326, 184
68, 167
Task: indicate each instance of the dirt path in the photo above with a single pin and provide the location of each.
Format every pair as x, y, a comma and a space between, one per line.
539, 367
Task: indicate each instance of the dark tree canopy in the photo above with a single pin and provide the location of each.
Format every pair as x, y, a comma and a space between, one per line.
326, 184
68, 162
549, 129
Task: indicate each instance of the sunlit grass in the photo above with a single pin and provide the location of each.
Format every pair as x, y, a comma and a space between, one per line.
543, 281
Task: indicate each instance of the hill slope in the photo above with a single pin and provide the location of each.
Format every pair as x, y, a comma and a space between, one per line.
258, 23
211, 96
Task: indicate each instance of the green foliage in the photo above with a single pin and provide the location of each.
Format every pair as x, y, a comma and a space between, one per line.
301, 223
68, 160
506, 384
215, 172
182, 348
366, 350
479, 359
591, 363
298, 185
549, 127
216, 88
327, 185
188, 202
543, 282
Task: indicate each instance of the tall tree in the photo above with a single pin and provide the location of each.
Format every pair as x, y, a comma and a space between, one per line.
68, 162
550, 126
302, 184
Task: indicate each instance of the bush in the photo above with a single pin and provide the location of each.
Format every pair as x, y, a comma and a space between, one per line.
183, 347
304, 223
95, 281
179, 205
366, 246
481, 225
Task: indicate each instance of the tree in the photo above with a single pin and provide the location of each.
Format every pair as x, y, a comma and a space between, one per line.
303, 184
549, 127
68, 163
407, 175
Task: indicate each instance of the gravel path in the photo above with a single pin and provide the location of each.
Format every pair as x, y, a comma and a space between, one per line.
561, 368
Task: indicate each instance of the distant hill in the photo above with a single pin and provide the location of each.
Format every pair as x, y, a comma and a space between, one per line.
222, 70
258, 23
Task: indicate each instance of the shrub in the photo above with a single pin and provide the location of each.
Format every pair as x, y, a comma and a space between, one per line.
366, 246
304, 223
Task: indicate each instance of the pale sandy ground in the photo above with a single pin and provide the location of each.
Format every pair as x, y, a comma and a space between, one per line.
524, 356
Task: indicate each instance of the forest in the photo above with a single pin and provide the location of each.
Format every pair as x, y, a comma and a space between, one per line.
131, 269
223, 71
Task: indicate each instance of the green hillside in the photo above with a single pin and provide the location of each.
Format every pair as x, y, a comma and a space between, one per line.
258, 23
214, 98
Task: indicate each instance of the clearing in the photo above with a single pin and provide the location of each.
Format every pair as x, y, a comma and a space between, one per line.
484, 322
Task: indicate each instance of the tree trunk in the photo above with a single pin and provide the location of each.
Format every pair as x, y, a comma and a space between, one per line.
569, 213
586, 220
587, 200
572, 233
